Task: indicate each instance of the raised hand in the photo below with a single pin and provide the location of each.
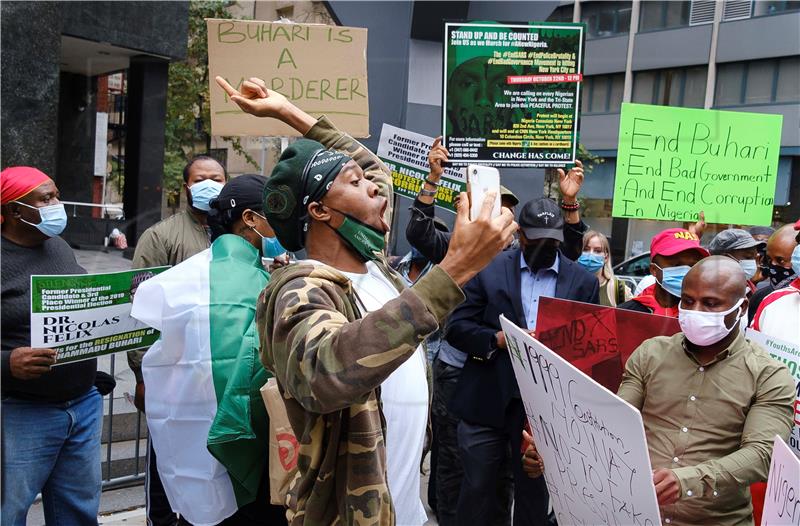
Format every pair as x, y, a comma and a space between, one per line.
570, 183
436, 158
255, 98
700, 226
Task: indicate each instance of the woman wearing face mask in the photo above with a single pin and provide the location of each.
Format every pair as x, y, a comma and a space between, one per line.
204, 409
596, 258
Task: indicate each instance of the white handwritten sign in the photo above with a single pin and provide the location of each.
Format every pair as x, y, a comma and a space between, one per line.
782, 502
788, 353
597, 468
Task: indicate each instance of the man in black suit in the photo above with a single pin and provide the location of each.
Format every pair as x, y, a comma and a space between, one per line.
487, 398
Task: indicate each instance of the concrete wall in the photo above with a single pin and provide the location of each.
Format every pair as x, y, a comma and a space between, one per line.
605, 55
599, 132
158, 28
761, 37
685, 46
29, 87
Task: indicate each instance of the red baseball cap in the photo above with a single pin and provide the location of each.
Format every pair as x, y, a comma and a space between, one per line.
674, 240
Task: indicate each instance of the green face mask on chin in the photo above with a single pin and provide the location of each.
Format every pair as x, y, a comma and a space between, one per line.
367, 241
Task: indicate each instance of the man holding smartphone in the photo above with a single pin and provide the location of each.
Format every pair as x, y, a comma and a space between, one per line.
487, 399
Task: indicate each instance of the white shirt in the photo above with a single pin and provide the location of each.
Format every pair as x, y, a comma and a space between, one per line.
405, 405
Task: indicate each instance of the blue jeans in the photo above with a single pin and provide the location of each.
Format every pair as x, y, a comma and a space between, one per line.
52, 448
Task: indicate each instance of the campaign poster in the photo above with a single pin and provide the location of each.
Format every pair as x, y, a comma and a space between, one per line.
84, 316
405, 153
512, 92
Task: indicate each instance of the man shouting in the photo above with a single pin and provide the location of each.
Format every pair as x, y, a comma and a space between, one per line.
337, 327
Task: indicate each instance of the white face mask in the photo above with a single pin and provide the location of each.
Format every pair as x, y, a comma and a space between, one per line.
706, 328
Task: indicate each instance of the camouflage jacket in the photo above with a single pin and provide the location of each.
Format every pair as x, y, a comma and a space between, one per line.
330, 361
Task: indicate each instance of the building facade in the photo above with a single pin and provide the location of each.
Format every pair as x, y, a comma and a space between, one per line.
63, 102
735, 55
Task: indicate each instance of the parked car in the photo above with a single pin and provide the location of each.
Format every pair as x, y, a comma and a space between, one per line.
632, 270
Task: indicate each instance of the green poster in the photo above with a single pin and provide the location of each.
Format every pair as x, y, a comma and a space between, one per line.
674, 162
405, 153
512, 92
83, 316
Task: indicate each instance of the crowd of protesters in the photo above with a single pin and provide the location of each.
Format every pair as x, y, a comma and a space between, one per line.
379, 360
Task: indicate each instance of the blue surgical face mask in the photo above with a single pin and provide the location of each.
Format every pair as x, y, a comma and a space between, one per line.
672, 279
796, 260
749, 266
591, 261
53, 219
270, 246
203, 192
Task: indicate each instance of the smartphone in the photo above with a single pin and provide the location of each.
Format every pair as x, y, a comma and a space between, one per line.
482, 180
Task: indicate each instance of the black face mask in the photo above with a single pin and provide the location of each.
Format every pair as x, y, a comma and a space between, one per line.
778, 274
539, 256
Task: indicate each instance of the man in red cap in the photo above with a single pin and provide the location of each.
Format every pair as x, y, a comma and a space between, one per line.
51, 417
672, 253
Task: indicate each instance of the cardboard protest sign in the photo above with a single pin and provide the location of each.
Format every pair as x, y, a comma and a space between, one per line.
782, 501
596, 461
512, 92
321, 69
788, 353
405, 153
84, 316
674, 162
597, 340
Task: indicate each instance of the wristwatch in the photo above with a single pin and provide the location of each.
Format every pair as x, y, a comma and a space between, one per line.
427, 193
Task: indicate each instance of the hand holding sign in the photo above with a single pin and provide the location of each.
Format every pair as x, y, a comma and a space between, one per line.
27, 363
570, 183
436, 159
532, 463
668, 488
257, 100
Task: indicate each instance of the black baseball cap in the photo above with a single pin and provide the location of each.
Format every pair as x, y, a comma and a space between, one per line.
541, 219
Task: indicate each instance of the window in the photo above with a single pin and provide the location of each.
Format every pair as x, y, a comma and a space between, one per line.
684, 87
604, 19
788, 89
663, 15
758, 87
603, 93
729, 84
774, 7
561, 14
758, 82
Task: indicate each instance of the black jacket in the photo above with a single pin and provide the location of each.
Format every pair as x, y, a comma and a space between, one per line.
487, 383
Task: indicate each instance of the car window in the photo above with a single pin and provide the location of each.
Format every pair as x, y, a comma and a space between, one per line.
639, 266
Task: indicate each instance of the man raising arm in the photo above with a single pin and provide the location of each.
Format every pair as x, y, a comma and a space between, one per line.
335, 327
